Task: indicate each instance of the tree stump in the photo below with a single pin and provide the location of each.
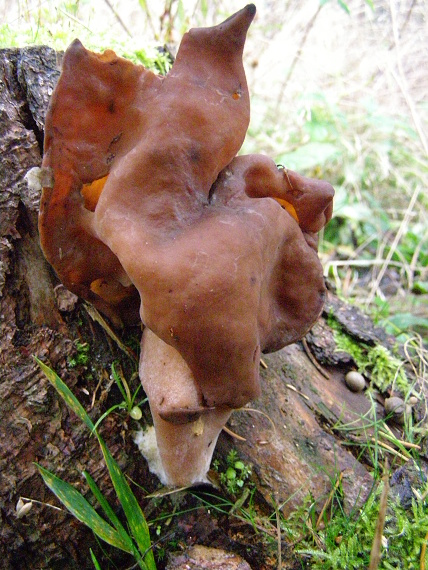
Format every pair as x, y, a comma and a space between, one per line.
286, 435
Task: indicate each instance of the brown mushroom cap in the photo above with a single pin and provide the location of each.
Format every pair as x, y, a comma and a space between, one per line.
90, 121
221, 276
235, 279
308, 200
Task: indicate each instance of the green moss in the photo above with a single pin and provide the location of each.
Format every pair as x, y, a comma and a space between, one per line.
346, 540
377, 362
81, 357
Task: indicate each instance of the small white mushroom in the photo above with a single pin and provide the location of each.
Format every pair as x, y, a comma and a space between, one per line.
355, 381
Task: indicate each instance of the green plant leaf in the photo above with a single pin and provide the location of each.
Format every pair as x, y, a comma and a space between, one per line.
404, 321
309, 156
123, 386
94, 560
344, 6
66, 394
82, 510
122, 405
108, 511
134, 514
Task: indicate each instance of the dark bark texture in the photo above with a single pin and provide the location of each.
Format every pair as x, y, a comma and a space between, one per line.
290, 444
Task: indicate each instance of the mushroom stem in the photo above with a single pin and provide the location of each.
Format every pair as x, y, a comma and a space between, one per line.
186, 430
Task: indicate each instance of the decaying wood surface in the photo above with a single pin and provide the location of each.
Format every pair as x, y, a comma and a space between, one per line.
286, 435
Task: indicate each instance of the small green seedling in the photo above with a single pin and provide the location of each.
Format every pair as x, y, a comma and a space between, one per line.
236, 473
128, 402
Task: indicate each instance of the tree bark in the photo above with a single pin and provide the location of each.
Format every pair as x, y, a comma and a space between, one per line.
286, 435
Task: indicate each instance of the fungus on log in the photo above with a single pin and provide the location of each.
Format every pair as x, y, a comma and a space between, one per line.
149, 199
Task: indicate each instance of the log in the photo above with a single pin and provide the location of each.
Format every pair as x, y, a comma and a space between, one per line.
287, 435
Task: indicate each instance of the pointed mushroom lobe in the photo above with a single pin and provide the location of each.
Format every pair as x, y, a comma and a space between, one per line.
154, 211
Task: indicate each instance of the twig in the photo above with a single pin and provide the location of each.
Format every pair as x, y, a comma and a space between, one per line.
76, 20
94, 395
291, 387
263, 414
409, 13
313, 360
390, 449
233, 434
95, 316
377, 541
284, 84
328, 501
118, 18
364, 263
407, 444
401, 81
165, 492
401, 231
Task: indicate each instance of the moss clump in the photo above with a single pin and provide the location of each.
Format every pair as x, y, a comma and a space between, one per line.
385, 369
345, 541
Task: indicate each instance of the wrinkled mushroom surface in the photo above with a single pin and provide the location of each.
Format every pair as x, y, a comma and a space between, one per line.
150, 203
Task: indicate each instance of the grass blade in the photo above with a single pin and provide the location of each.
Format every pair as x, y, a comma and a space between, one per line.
66, 394
108, 510
82, 510
134, 514
94, 560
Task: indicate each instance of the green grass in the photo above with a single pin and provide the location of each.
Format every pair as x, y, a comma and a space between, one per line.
128, 403
324, 535
136, 541
344, 540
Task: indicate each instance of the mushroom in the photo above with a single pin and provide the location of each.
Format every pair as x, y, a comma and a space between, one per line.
355, 381
221, 249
